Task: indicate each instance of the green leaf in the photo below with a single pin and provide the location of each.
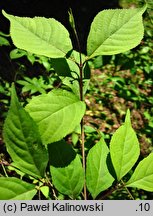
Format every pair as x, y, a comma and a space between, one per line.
13, 168
75, 138
60, 154
69, 180
23, 140
39, 35
56, 113
17, 53
115, 31
98, 177
33, 85
45, 191
12, 188
69, 72
61, 66
4, 41
143, 175
124, 148
66, 168
72, 83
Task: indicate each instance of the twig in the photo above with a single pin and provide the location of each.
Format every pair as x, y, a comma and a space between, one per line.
83, 157
80, 65
129, 193
109, 192
4, 170
52, 188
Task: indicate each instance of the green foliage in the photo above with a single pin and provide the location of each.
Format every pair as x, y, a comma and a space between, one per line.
4, 95
46, 36
66, 169
24, 145
3, 39
34, 85
45, 191
97, 175
149, 116
124, 148
59, 110
143, 175
38, 134
15, 189
69, 180
18, 53
65, 165
125, 32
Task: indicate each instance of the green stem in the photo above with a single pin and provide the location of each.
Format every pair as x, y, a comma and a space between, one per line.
51, 186
39, 195
80, 65
129, 193
4, 170
107, 193
83, 157
82, 124
53, 190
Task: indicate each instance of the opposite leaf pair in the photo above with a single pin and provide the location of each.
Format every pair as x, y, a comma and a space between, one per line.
24, 145
111, 32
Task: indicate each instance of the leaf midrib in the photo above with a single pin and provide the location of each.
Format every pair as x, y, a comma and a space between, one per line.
58, 110
140, 179
30, 153
111, 35
123, 150
128, 184
36, 35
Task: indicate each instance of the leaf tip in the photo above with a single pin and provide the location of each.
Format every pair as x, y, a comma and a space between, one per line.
127, 117
13, 88
14, 97
5, 14
144, 8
